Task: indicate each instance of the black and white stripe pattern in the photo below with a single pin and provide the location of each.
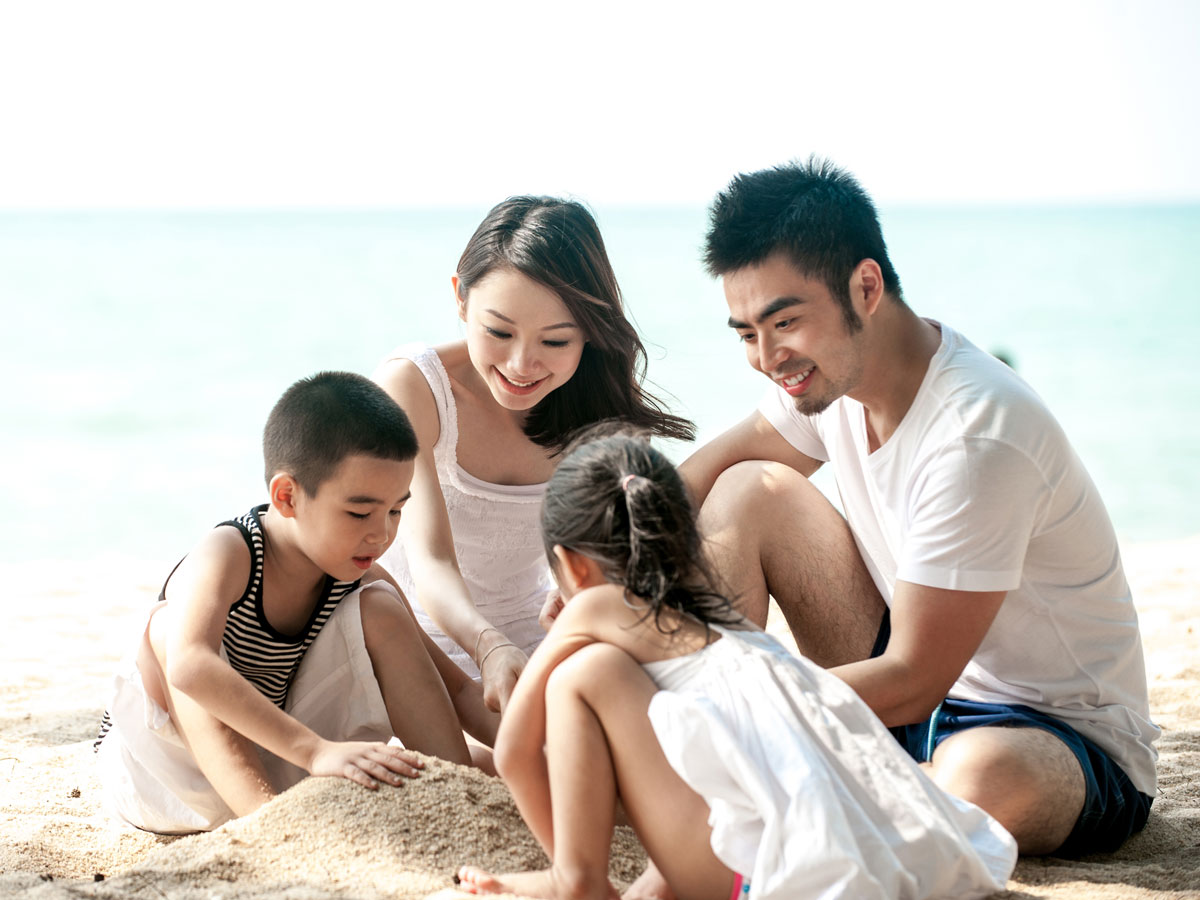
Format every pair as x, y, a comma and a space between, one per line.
265, 657
258, 652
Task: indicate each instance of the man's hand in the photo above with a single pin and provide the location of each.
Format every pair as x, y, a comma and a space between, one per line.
365, 762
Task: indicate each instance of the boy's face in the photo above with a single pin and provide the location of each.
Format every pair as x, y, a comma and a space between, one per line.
353, 517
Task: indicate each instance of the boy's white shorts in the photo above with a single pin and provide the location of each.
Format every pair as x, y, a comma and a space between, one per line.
150, 778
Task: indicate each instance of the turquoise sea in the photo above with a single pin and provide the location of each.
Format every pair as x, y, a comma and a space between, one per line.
142, 351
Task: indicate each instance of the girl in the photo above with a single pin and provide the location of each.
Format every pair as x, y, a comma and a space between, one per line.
743, 769
548, 349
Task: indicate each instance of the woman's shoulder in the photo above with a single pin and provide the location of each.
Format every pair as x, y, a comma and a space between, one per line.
411, 377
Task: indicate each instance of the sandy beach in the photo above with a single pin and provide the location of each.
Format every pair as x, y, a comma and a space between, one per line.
328, 838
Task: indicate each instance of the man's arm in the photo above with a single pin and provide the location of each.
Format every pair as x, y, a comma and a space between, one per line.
753, 438
935, 632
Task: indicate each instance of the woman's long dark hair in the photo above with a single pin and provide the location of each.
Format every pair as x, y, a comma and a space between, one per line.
618, 501
558, 244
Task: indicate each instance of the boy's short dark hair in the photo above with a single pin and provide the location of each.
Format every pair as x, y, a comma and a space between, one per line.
815, 213
321, 420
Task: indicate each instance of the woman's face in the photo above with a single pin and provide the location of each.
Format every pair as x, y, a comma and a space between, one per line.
521, 338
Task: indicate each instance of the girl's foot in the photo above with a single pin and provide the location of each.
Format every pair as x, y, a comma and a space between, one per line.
526, 884
650, 885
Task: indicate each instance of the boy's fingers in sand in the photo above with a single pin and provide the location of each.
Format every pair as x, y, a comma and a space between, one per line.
366, 763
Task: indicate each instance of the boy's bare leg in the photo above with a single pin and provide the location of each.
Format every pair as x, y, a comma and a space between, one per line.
770, 533
599, 744
228, 760
419, 708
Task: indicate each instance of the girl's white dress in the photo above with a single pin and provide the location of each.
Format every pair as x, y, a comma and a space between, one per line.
810, 795
497, 534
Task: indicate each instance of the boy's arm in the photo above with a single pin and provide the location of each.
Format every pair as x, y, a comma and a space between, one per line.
200, 594
752, 438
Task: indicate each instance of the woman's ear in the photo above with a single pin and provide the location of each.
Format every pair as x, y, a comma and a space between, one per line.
459, 299
284, 492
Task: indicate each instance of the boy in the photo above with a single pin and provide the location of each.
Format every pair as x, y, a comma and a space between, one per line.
264, 659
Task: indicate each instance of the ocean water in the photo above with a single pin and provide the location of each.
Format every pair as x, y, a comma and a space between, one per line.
143, 351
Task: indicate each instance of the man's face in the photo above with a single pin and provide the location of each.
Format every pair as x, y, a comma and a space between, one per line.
794, 332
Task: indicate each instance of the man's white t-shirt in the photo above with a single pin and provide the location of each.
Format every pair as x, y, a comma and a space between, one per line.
978, 489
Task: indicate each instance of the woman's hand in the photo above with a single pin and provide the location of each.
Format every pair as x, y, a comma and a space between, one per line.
550, 610
499, 667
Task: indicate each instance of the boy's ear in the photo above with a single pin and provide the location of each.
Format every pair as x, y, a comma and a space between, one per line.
459, 299
284, 492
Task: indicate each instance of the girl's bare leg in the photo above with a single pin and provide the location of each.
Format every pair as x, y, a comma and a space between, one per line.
599, 745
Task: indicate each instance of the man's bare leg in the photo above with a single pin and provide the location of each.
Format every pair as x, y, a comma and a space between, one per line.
770, 533
1025, 778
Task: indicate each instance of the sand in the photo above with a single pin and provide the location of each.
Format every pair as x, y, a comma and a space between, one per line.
327, 838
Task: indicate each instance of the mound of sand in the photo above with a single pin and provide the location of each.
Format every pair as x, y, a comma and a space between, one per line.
327, 838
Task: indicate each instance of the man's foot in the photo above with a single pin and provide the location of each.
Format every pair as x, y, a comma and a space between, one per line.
525, 884
650, 885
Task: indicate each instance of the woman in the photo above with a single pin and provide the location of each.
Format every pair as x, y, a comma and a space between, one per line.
548, 350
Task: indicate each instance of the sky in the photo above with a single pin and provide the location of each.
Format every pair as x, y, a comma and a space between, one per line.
372, 104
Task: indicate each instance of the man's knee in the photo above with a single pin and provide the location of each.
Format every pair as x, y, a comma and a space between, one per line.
1025, 778
756, 494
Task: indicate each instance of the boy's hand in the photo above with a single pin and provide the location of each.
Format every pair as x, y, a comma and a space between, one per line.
550, 610
365, 762
500, 672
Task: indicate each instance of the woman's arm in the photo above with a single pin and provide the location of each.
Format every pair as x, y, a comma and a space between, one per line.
429, 544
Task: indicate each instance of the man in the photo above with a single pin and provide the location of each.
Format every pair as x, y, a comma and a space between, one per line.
973, 595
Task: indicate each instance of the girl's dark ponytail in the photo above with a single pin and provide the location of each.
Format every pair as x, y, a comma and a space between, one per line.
620, 502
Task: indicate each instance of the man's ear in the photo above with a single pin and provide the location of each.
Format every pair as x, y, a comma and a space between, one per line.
284, 491
866, 287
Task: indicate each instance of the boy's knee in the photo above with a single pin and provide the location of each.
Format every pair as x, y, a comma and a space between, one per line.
383, 617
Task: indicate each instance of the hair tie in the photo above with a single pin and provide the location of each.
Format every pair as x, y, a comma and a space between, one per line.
625, 481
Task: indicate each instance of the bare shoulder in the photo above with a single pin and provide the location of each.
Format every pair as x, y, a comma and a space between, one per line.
406, 384
608, 614
217, 568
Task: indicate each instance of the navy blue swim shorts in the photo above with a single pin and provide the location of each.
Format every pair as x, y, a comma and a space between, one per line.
1113, 808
